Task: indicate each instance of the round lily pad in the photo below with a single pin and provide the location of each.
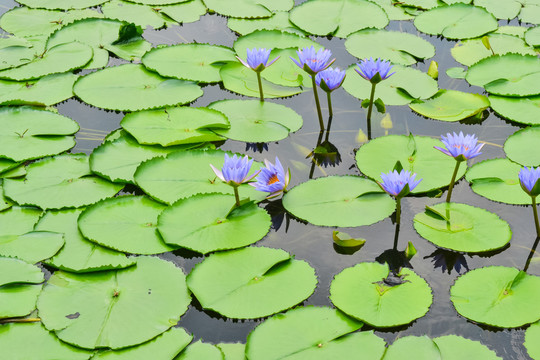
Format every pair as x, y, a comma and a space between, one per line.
174, 126
415, 153
114, 309
507, 75
184, 12
31, 247
252, 282
199, 350
532, 36
497, 180
196, 62
397, 47
406, 85
278, 21
217, 225
524, 110
461, 227
46, 91
498, 296
457, 21
451, 105
59, 182
532, 340
256, 121
138, 14
26, 133
361, 292
521, 147
339, 201
131, 87
61, 4
501, 9
126, 223
272, 39
248, 8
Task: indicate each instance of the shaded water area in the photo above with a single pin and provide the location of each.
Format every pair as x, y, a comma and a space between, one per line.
313, 243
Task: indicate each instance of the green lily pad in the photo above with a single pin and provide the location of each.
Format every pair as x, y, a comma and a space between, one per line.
57, 59
78, 254
248, 8
15, 337
278, 21
461, 227
184, 12
7, 165
131, 87
18, 220
337, 17
27, 134
451, 105
524, 110
457, 21
59, 182
345, 240
199, 350
138, 14
114, 309
284, 71
196, 62
532, 340
158, 2
174, 126
272, 39
501, 9
252, 282
497, 296
16, 55
31, 247
393, 12
420, 4
456, 72
406, 85
46, 91
397, 47
14, 271
339, 201
415, 153
4, 202
497, 180
232, 351
256, 121
166, 179
521, 147
507, 75
532, 36
215, 225
60, 4
315, 333
125, 223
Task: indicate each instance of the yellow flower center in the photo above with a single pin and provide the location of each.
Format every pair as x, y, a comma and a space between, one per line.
273, 179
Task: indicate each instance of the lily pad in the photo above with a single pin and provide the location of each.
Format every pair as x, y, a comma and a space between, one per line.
60, 4
248, 8
406, 85
59, 182
498, 296
199, 350
415, 153
196, 62
456, 73
16, 55
394, 46
337, 17
392, 11
14, 271
521, 147
18, 220
46, 91
184, 12
252, 282
27, 134
501, 9
457, 21
524, 110
285, 72
461, 227
497, 180
278, 21
209, 222
232, 351
451, 105
31, 247
114, 309
131, 87
339, 201
272, 39
532, 340
532, 36
78, 254
158, 2
138, 14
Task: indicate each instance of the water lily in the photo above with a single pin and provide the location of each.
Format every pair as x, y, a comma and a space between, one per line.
272, 179
235, 172
329, 80
257, 60
399, 184
529, 180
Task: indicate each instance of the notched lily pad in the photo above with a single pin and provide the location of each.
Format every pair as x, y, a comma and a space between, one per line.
248, 8
532, 340
521, 147
451, 105
46, 91
524, 110
31, 247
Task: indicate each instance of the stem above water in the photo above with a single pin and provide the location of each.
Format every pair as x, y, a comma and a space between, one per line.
260, 86
451, 186
370, 109
236, 196
535, 213
329, 97
319, 113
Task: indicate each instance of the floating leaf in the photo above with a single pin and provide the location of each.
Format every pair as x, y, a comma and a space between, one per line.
532, 340
18, 220
158, 2
14, 271
61, 4
451, 105
456, 73
232, 351
46, 91
31, 247
114, 308
497, 296
272, 39
521, 147
16, 55
199, 350
339, 201
131, 87
209, 222
278, 21
248, 8
532, 36
284, 71
184, 12
524, 110
141, 15
501, 9
345, 240
393, 12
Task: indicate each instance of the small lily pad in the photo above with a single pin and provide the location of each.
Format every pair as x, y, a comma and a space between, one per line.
14, 271
31, 247
524, 110
532, 340
521, 147
46, 91
451, 105
345, 240
456, 72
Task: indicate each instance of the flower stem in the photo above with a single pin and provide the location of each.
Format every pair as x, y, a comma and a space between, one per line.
451, 186
330, 112
260, 86
535, 212
236, 196
398, 220
319, 113
370, 109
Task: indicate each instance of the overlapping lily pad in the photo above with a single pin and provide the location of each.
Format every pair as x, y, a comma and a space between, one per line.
60, 4
497, 296
272, 39
524, 110
46, 91
278, 21
532, 340
138, 14
184, 12
451, 105
248, 8
18, 220
532, 36
393, 10
210, 222
15, 54
114, 309
131, 87
526, 11
232, 351
521, 147
200, 350
31, 247
339, 201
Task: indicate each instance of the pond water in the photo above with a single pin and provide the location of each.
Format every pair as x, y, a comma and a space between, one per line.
313, 243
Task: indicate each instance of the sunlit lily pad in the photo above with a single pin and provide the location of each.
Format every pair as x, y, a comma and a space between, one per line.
524, 110
497, 296
139, 14
278, 21
18, 220
451, 105
461, 227
526, 11
272, 39
248, 8
397, 47
522, 146
497, 180
209, 222
114, 308
46, 91
184, 12
532, 340
361, 292
232, 351
60, 4
15, 55
196, 62
31, 247
339, 201
284, 71
532, 36
252, 282
457, 21
200, 350
78, 254
415, 153
393, 12
59, 182
131, 87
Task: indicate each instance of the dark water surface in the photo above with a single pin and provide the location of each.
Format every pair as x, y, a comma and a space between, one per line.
314, 244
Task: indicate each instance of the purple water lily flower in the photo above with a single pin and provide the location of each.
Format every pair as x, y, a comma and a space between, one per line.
330, 79
312, 61
460, 147
528, 178
394, 183
235, 170
272, 179
374, 70
257, 59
